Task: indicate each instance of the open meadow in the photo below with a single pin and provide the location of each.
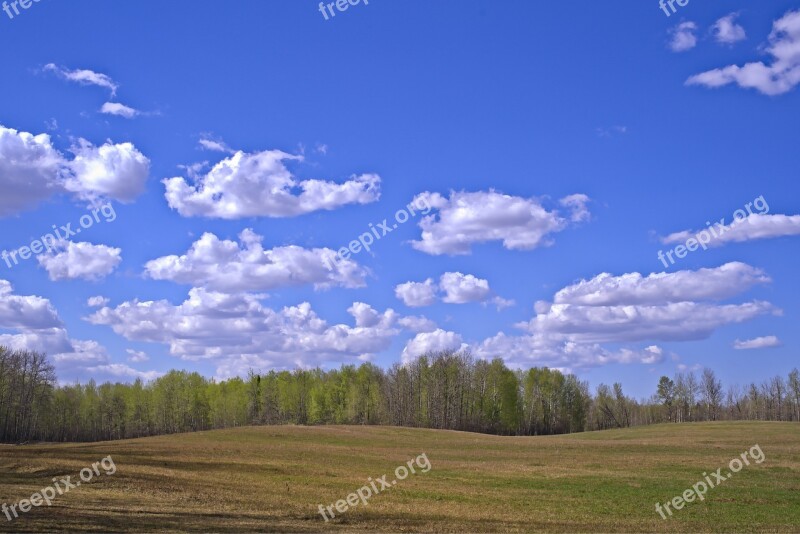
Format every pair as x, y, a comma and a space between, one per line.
275, 478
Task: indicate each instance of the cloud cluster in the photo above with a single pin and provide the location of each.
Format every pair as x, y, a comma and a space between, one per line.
607, 309
237, 330
223, 265
453, 288
467, 218
260, 185
778, 77
33, 170
36, 326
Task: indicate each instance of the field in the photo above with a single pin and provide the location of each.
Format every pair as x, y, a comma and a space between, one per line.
274, 478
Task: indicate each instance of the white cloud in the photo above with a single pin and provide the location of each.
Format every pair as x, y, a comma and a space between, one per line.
461, 289
25, 312
757, 343
36, 326
683, 37
781, 76
480, 217
120, 370
84, 77
223, 265
417, 294
97, 302
417, 324
114, 171
438, 340
225, 328
82, 353
750, 228
630, 308
664, 307
137, 356
660, 288
577, 205
260, 185
69, 260
455, 288
726, 31
120, 110
502, 303
32, 170
207, 143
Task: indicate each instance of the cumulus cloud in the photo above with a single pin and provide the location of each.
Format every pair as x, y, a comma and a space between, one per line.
223, 265
556, 352
453, 288
438, 340
260, 185
26, 312
417, 294
776, 78
83, 77
235, 328
683, 37
750, 228
30, 170
465, 218
659, 288
33, 170
35, 325
463, 288
111, 171
757, 343
69, 261
120, 110
630, 308
726, 31
660, 307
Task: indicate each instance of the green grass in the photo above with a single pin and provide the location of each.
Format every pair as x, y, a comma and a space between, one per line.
273, 479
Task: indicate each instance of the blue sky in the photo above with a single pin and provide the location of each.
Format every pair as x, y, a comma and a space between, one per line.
551, 144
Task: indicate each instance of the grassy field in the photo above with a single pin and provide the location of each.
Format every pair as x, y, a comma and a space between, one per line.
274, 478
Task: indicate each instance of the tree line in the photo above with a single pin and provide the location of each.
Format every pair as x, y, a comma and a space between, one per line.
442, 390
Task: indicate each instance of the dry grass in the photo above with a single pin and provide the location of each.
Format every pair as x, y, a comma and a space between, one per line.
273, 478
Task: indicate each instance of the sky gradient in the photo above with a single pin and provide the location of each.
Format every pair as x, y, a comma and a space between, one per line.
551, 152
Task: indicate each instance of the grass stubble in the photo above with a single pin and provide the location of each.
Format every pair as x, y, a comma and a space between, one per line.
272, 479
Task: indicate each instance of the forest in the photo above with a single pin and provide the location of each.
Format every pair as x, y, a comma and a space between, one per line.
443, 390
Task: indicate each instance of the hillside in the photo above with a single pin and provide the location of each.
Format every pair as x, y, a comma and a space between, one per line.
274, 479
